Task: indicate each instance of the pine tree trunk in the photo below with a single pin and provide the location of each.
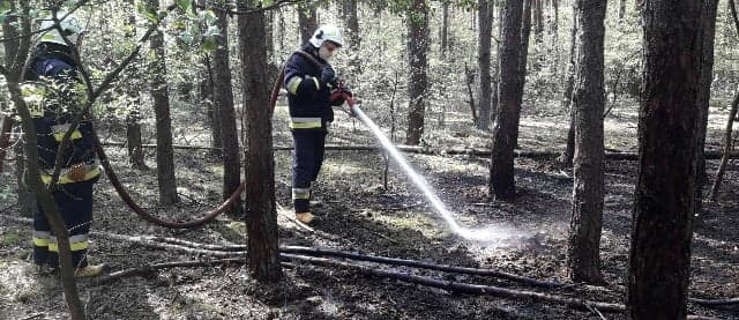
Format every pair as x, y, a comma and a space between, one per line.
307, 21
159, 91
418, 43
586, 223
261, 212
133, 118
502, 183
710, 7
352, 36
5, 127
659, 265
224, 103
207, 85
538, 12
523, 61
19, 48
566, 157
445, 28
485, 18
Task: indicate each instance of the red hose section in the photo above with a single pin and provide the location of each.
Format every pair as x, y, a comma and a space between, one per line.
207, 216
126, 197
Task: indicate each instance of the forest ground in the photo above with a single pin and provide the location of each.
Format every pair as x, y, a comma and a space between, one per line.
358, 214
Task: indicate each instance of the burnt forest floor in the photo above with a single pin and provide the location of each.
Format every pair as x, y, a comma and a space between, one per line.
358, 214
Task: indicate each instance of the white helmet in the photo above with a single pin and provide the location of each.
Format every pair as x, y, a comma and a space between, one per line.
70, 25
327, 32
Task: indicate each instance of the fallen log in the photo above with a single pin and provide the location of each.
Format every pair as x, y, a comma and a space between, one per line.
419, 264
226, 251
478, 152
581, 304
240, 250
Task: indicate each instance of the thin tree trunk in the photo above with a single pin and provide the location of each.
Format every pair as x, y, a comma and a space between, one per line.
621, 9
502, 183
485, 18
261, 212
5, 128
555, 38
159, 91
523, 61
659, 261
224, 102
307, 21
728, 146
207, 85
566, 158
418, 42
710, 7
352, 35
583, 259
445, 28
133, 126
538, 12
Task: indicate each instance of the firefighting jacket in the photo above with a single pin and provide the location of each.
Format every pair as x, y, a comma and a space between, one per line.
53, 94
308, 98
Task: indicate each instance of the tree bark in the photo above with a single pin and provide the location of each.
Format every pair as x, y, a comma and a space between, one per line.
502, 184
352, 35
445, 28
523, 61
133, 126
485, 19
261, 212
307, 21
418, 43
538, 12
659, 264
224, 103
5, 127
710, 7
16, 51
160, 93
566, 158
207, 85
583, 259
621, 9
728, 146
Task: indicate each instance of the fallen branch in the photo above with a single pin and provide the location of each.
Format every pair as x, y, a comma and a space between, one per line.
715, 302
239, 250
290, 251
149, 269
418, 264
464, 287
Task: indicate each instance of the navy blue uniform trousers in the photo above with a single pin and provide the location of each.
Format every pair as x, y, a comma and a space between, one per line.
74, 201
307, 160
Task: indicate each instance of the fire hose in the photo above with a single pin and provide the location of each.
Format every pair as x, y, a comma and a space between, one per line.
206, 216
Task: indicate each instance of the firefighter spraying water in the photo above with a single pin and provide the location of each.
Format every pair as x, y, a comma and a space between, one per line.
313, 87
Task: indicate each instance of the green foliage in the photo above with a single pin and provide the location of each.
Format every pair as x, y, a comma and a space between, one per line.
147, 11
185, 5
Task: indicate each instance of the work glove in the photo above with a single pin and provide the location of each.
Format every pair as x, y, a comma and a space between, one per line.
338, 95
328, 77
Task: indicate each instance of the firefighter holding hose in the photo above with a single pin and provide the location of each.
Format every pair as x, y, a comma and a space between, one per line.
54, 96
313, 88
